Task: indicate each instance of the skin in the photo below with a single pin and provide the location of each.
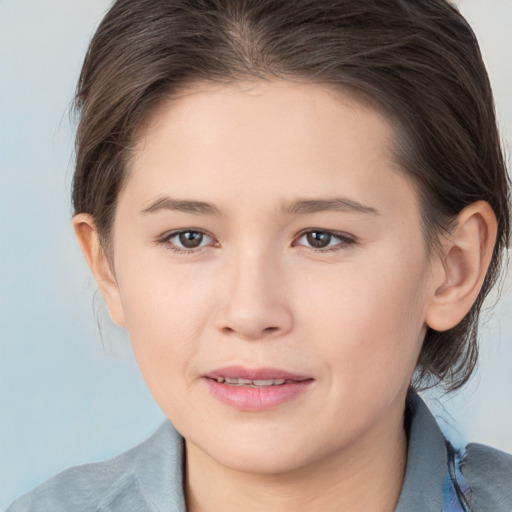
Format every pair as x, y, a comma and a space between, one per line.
351, 315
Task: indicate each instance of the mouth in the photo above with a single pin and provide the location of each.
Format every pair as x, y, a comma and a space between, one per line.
257, 383
240, 375
256, 389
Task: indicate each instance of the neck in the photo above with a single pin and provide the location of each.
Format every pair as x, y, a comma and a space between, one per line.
366, 476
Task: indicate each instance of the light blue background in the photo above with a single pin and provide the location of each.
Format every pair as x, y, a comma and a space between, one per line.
66, 395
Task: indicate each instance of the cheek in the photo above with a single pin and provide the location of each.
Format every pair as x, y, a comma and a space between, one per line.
159, 297
371, 316
166, 313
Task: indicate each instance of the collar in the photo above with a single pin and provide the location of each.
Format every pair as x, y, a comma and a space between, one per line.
422, 490
160, 470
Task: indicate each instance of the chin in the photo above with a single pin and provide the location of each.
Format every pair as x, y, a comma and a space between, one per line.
261, 461
258, 454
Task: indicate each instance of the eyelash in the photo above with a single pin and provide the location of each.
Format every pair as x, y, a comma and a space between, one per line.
166, 240
344, 240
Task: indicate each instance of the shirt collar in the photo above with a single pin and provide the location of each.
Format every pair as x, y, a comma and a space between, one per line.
160, 470
422, 490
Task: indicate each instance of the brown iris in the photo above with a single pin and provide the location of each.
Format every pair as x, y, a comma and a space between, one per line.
191, 239
318, 239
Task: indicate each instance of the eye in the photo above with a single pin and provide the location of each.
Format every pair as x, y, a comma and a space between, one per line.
187, 240
324, 240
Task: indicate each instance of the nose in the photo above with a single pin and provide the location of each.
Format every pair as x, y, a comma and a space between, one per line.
256, 302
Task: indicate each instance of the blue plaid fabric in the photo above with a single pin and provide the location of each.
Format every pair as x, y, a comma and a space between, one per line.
456, 490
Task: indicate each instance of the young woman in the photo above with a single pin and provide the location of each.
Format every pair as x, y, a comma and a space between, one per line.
296, 209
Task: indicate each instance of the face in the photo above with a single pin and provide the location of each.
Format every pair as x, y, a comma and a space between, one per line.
266, 234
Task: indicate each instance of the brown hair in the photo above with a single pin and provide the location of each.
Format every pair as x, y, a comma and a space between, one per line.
418, 60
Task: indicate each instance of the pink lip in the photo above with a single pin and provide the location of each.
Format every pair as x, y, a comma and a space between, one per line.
234, 372
245, 398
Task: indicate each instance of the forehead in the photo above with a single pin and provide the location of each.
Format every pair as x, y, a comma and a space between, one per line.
265, 141
269, 104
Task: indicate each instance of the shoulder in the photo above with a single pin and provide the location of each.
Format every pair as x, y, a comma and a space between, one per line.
82, 488
112, 485
86, 487
488, 472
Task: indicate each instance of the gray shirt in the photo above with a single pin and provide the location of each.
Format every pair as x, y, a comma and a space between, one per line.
149, 477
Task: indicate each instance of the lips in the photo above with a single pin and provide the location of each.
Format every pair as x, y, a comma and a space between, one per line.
240, 372
238, 381
256, 389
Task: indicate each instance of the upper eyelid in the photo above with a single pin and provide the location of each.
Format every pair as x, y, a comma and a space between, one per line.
300, 233
170, 234
337, 234
165, 239
322, 230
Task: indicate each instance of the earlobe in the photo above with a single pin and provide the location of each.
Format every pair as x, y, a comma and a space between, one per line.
87, 235
466, 257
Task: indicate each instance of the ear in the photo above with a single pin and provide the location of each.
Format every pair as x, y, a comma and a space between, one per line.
103, 272
466, 257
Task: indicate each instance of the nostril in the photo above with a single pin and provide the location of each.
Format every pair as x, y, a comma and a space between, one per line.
253, 320
250, 334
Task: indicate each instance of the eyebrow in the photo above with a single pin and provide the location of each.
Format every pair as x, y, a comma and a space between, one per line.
306, 206
300, 207
181, 205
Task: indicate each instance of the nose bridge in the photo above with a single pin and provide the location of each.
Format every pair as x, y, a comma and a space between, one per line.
256, 302
251, 276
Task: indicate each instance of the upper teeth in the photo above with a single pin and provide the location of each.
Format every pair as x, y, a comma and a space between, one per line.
249, 382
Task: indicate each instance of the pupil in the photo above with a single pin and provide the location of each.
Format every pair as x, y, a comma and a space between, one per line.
318, 239
191, 239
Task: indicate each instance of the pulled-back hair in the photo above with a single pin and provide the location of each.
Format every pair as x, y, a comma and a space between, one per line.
418, 61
